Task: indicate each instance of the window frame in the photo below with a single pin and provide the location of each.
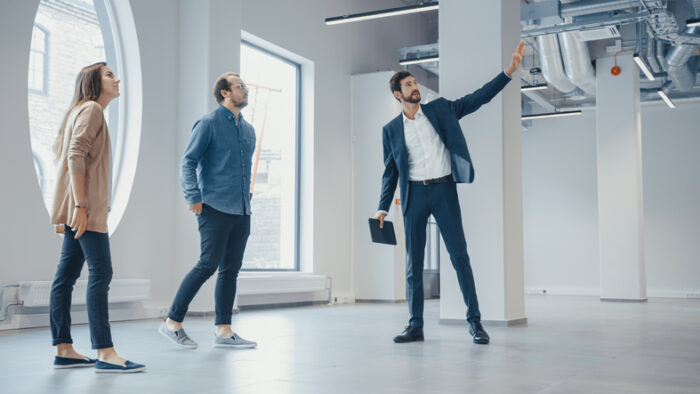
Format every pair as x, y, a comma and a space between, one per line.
115, 21
45, 73
297, 161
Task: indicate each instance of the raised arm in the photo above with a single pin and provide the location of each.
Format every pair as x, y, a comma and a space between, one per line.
486, 93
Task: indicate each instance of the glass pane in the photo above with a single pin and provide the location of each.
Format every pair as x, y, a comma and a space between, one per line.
74, 28
38, 64
38, 40
32, 70
272, 110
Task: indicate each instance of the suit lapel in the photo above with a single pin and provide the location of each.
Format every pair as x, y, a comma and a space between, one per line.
430, 114
400, 139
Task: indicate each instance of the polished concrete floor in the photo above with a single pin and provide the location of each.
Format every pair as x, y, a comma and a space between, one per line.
570, 345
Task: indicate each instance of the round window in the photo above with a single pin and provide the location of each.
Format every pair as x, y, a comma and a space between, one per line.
68, 35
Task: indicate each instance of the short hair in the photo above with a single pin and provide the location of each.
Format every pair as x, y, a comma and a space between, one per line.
395, 82
222, 84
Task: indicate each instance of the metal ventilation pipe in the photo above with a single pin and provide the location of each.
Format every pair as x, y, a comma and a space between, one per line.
694, 7
661, 55
577, 62
650, 55
680, 68
552, 67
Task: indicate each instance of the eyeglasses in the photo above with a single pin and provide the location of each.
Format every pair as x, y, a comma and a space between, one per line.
242, 86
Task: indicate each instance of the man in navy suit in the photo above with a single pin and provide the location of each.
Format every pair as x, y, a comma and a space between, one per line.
425, 151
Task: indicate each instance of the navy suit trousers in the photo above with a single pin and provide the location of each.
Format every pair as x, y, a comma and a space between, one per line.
441, 201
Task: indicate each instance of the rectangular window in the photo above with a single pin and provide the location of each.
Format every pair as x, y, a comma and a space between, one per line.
38, 61
274, 111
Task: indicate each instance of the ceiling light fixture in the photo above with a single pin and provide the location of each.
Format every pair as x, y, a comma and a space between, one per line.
668, 101
551, 115
643, 66
423, 7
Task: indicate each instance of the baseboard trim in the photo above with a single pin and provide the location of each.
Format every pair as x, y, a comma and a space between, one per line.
281, 305
623, 299
37, 317
493, 323
370, 301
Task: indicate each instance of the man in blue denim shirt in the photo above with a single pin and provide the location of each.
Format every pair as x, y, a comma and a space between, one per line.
215, 177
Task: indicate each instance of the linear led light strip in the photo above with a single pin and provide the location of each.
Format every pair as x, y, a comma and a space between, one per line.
642, 66
533, 87
426, 59
433, 5
551, 115
693, 22
668, 101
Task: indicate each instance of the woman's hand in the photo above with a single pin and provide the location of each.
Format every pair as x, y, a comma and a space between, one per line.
79, 222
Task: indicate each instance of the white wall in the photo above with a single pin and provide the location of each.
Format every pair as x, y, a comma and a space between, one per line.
375, 269
670, 141
560, 202
156, 239
26, 220
560, 209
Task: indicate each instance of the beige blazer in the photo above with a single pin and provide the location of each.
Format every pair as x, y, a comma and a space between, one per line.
86, 150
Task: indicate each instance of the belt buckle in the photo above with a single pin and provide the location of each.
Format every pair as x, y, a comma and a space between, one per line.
426, 182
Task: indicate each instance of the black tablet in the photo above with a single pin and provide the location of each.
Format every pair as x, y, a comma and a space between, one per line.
384, 235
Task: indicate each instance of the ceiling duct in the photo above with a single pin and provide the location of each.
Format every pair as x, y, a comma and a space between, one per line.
694, 7
679, 65
587, 7
577, 62
661, 55
551, 62
650, 54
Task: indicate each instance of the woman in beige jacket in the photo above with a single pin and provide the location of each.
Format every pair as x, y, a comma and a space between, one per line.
80, 210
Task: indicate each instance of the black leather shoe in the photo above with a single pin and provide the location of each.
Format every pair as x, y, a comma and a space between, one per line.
410, 334
478, 332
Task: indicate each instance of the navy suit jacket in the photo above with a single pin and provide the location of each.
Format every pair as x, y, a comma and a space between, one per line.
444, 115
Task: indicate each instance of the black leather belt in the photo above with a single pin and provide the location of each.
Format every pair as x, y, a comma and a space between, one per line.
446, 178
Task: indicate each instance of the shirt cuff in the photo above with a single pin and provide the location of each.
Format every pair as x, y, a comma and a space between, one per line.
506, 74
193, 199
380, 211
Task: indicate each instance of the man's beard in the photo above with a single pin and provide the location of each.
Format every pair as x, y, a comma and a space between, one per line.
410, 98
242, 104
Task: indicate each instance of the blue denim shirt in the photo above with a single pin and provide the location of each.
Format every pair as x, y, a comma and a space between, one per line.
216, 165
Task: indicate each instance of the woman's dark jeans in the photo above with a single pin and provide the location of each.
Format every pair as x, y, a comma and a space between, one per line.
93, 247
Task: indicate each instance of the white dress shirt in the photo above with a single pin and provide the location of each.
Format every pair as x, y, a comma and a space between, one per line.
427, 156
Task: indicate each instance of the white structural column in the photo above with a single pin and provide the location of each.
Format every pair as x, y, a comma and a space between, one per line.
477, 40
620, 209
205, 53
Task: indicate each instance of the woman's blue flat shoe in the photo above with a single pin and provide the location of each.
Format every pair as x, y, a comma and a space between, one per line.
101, 366
65, 362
